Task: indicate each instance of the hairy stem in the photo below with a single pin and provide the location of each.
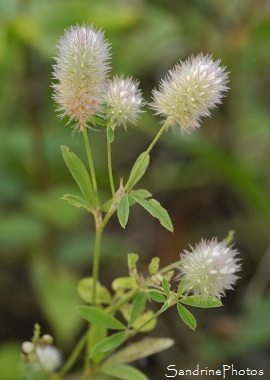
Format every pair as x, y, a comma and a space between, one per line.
91, 164
109, 155
99, 231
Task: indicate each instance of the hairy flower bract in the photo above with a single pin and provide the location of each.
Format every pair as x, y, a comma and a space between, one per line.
209, 268
189, 91
81, 68
123, 101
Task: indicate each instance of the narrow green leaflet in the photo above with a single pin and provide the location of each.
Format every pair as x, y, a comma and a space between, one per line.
100, 317
166, 287
76, 201
123, 372
181, 287
138, 170
123, 211
110, 134
156, 210
138, 305
109, 343
156, 296
97, 120
141, 193
80, 174
198, 301
186, 316
140, 350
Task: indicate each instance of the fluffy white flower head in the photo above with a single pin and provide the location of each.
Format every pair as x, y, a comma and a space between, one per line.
81, 69
123, 101
189, 91
49, 358
209, 269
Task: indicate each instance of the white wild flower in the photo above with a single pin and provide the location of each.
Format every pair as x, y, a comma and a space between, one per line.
81, 69
189, 91
209, 268
49, 358
123, 101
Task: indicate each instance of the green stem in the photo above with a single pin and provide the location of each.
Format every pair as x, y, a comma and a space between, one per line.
91, 164
109, 155
99, 231
73, 357
170, 267
162, 129
128, 296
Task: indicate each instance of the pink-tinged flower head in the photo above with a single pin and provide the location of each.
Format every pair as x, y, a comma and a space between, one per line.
189, 91
209, 268
81, 68
123, 101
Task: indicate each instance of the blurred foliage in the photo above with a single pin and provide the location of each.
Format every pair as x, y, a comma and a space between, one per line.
212, 181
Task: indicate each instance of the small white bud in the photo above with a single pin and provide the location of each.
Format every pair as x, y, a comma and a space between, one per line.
27, 347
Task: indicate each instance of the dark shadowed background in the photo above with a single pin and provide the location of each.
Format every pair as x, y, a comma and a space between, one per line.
212, 181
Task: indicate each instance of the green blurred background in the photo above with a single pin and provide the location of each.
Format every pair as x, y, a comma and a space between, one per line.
212, 181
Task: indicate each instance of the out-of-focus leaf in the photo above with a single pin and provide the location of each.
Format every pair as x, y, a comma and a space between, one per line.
27, 29
55, 288
140, 350
109, 343
100, 317
19, 231
96, 334
123, 372
9, 360
138, 305
85, 290
48, 207
132, 260
153, 266
145, 316
123, 283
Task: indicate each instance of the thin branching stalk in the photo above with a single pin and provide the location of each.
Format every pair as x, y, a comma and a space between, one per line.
109, 155
91, 164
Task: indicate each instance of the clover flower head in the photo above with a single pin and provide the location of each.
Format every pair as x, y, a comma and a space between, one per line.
189, 91
81, 69
123, 101
49, 358
209, 269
